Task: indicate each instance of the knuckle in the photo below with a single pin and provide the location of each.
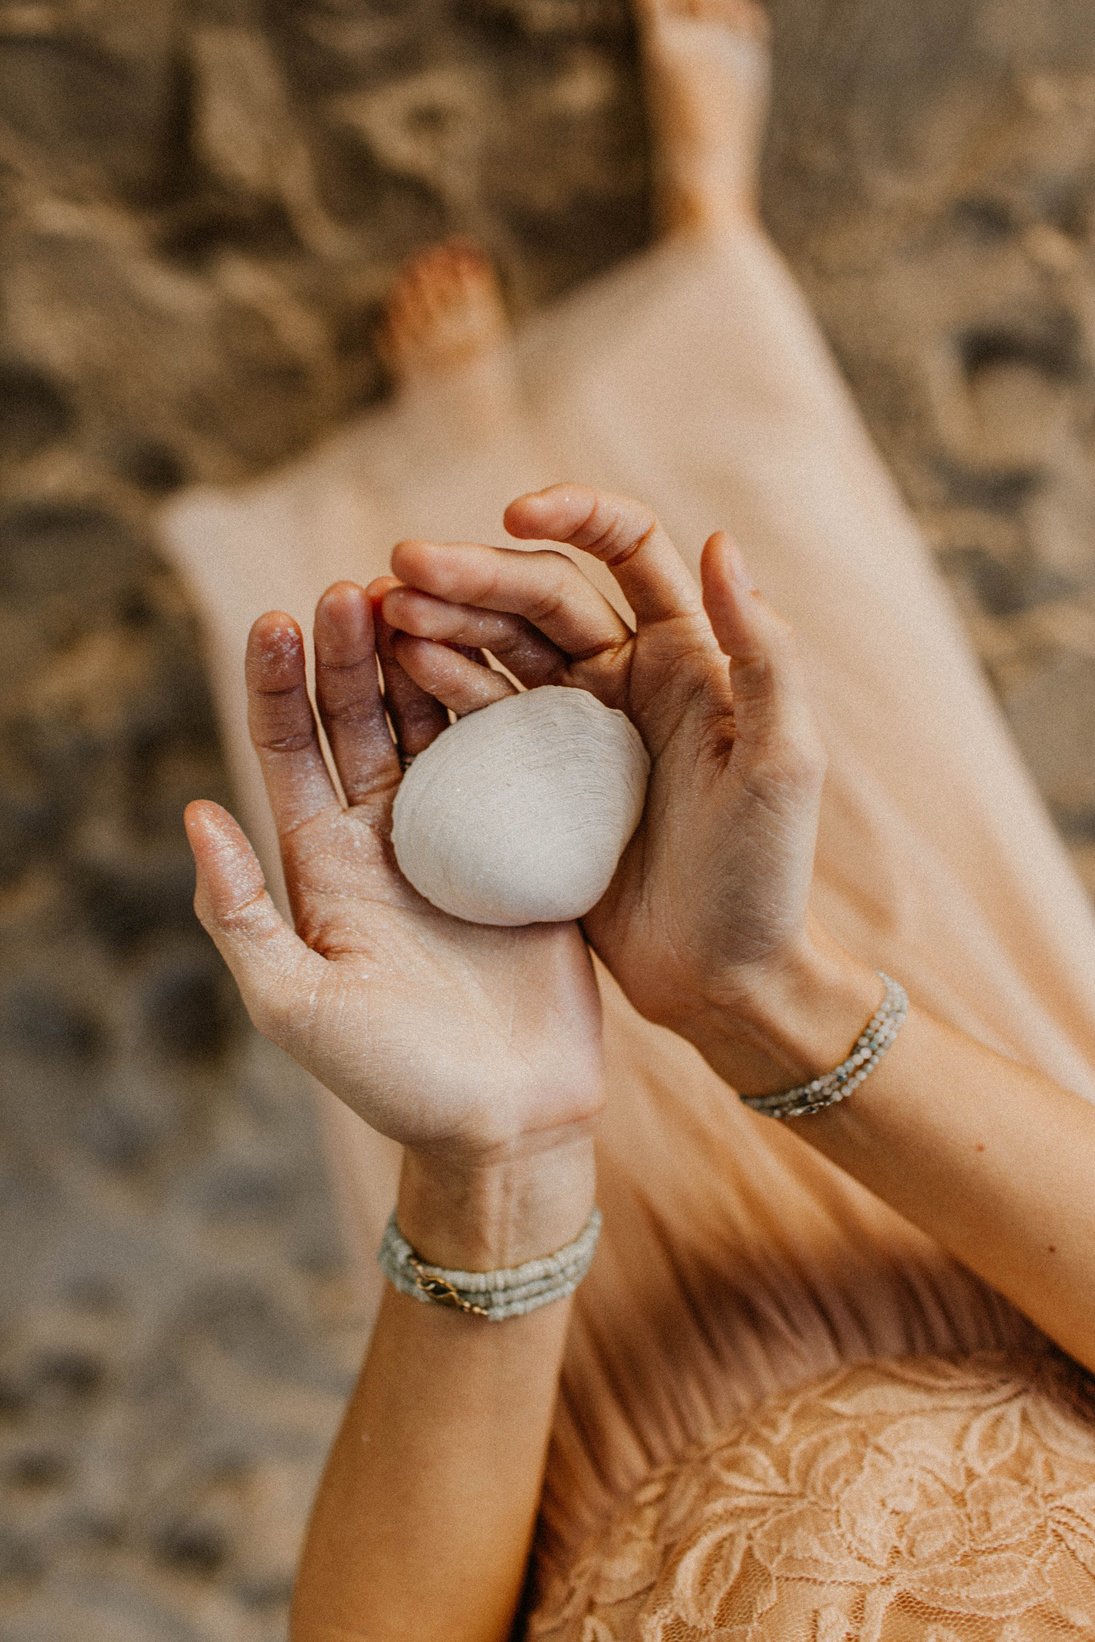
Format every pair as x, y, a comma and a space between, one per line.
242, 918
281, 722
786, 764
293, 741
500, 628
552, 596
533, 590
775, 666
751, 672
626, 536
804, 761
490, 584
236, 924
595, 528
611, 531
267, 1011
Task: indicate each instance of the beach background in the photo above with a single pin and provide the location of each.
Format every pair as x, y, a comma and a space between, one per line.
202, 206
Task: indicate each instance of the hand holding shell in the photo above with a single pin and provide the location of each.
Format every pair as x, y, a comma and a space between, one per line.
455, 1039
712, 891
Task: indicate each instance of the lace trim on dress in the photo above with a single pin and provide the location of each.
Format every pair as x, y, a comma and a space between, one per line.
929, 1497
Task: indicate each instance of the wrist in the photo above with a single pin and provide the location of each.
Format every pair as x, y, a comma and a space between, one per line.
791, 1023
483, 1214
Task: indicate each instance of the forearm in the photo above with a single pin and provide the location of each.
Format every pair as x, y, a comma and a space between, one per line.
994, 1161
423, 1521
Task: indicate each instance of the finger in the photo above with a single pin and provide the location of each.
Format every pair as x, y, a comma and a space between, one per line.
273, 968
545, 587
283, 725
623, 534
528, 655
460, 682
417, 718
773, 716
348, 693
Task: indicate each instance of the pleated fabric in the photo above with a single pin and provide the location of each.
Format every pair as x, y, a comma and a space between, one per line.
737, 1266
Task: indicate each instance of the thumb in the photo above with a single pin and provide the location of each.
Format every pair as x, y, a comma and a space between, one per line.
271, 965
773, 717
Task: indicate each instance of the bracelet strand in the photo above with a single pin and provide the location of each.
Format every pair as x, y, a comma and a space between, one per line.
510, 1291
868, 1050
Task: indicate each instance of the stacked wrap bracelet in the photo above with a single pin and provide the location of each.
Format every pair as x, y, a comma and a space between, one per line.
516, 1290
868, 1050
509, 1292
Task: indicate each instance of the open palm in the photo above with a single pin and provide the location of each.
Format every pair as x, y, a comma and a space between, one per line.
439, 1033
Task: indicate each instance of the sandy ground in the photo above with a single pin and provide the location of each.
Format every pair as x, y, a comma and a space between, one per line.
189, 288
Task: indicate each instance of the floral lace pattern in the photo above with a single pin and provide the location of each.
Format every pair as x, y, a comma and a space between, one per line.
928, 1497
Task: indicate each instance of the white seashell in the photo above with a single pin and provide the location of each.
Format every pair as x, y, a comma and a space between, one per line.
519, 813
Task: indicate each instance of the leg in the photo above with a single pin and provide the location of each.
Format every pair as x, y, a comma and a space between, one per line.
707, 72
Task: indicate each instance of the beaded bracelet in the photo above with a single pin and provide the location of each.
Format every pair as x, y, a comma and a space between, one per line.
509, 1292
869, 1049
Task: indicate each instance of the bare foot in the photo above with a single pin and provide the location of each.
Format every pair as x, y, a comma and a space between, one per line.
444, 313
445, 338
707, 65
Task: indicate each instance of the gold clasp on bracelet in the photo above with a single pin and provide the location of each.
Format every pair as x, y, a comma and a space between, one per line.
443, 1292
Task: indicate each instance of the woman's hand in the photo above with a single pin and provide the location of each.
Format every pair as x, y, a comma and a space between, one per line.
710, 898
456, 1039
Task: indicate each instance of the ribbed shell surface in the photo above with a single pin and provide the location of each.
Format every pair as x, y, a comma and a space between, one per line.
519, 813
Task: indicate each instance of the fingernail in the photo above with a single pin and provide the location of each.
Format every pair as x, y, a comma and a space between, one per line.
740, 573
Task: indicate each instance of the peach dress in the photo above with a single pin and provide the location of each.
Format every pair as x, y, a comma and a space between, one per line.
785, 1412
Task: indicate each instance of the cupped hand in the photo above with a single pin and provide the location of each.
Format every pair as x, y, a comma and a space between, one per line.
712, 893
468, 1040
